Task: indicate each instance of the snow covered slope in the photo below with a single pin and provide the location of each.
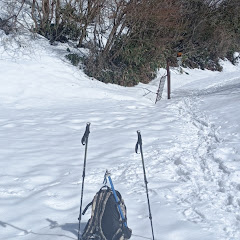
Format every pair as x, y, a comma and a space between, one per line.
190, 143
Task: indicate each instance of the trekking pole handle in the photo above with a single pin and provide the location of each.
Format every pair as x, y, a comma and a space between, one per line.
86, 134
139, 141
116, 198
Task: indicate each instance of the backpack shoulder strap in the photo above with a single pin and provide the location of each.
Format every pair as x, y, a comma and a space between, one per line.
86, 208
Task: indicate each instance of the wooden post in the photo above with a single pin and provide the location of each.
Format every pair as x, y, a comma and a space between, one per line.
168, 80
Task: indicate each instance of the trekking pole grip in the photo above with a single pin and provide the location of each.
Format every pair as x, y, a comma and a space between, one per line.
86, 134
139, 141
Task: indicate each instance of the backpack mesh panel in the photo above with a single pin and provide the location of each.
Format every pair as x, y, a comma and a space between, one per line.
110, 219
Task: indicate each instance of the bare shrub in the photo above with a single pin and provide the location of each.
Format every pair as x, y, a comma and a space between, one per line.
139, 40
211, 31
10, 12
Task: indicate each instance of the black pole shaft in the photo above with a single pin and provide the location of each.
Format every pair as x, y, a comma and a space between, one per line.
84, 142
145, 180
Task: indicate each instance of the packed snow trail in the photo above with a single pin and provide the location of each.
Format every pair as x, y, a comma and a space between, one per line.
207, 162
190, 144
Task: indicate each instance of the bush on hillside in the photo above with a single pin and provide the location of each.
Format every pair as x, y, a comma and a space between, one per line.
128, 40
205, 31
135, 54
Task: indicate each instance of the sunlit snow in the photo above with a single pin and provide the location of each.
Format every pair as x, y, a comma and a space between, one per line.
191, 147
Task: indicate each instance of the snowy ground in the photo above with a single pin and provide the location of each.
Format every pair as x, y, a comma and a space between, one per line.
190, 143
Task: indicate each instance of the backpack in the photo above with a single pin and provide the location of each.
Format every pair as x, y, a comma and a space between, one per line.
105, 222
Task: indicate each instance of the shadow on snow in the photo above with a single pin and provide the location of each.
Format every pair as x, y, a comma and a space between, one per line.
69, 227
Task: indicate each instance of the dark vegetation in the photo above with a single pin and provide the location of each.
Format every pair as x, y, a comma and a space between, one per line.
128, 40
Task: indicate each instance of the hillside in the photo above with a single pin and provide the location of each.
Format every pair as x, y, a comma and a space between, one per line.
190, 143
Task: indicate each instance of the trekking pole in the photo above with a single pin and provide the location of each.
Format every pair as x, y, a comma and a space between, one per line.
139, 143
108, 175
84, 141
